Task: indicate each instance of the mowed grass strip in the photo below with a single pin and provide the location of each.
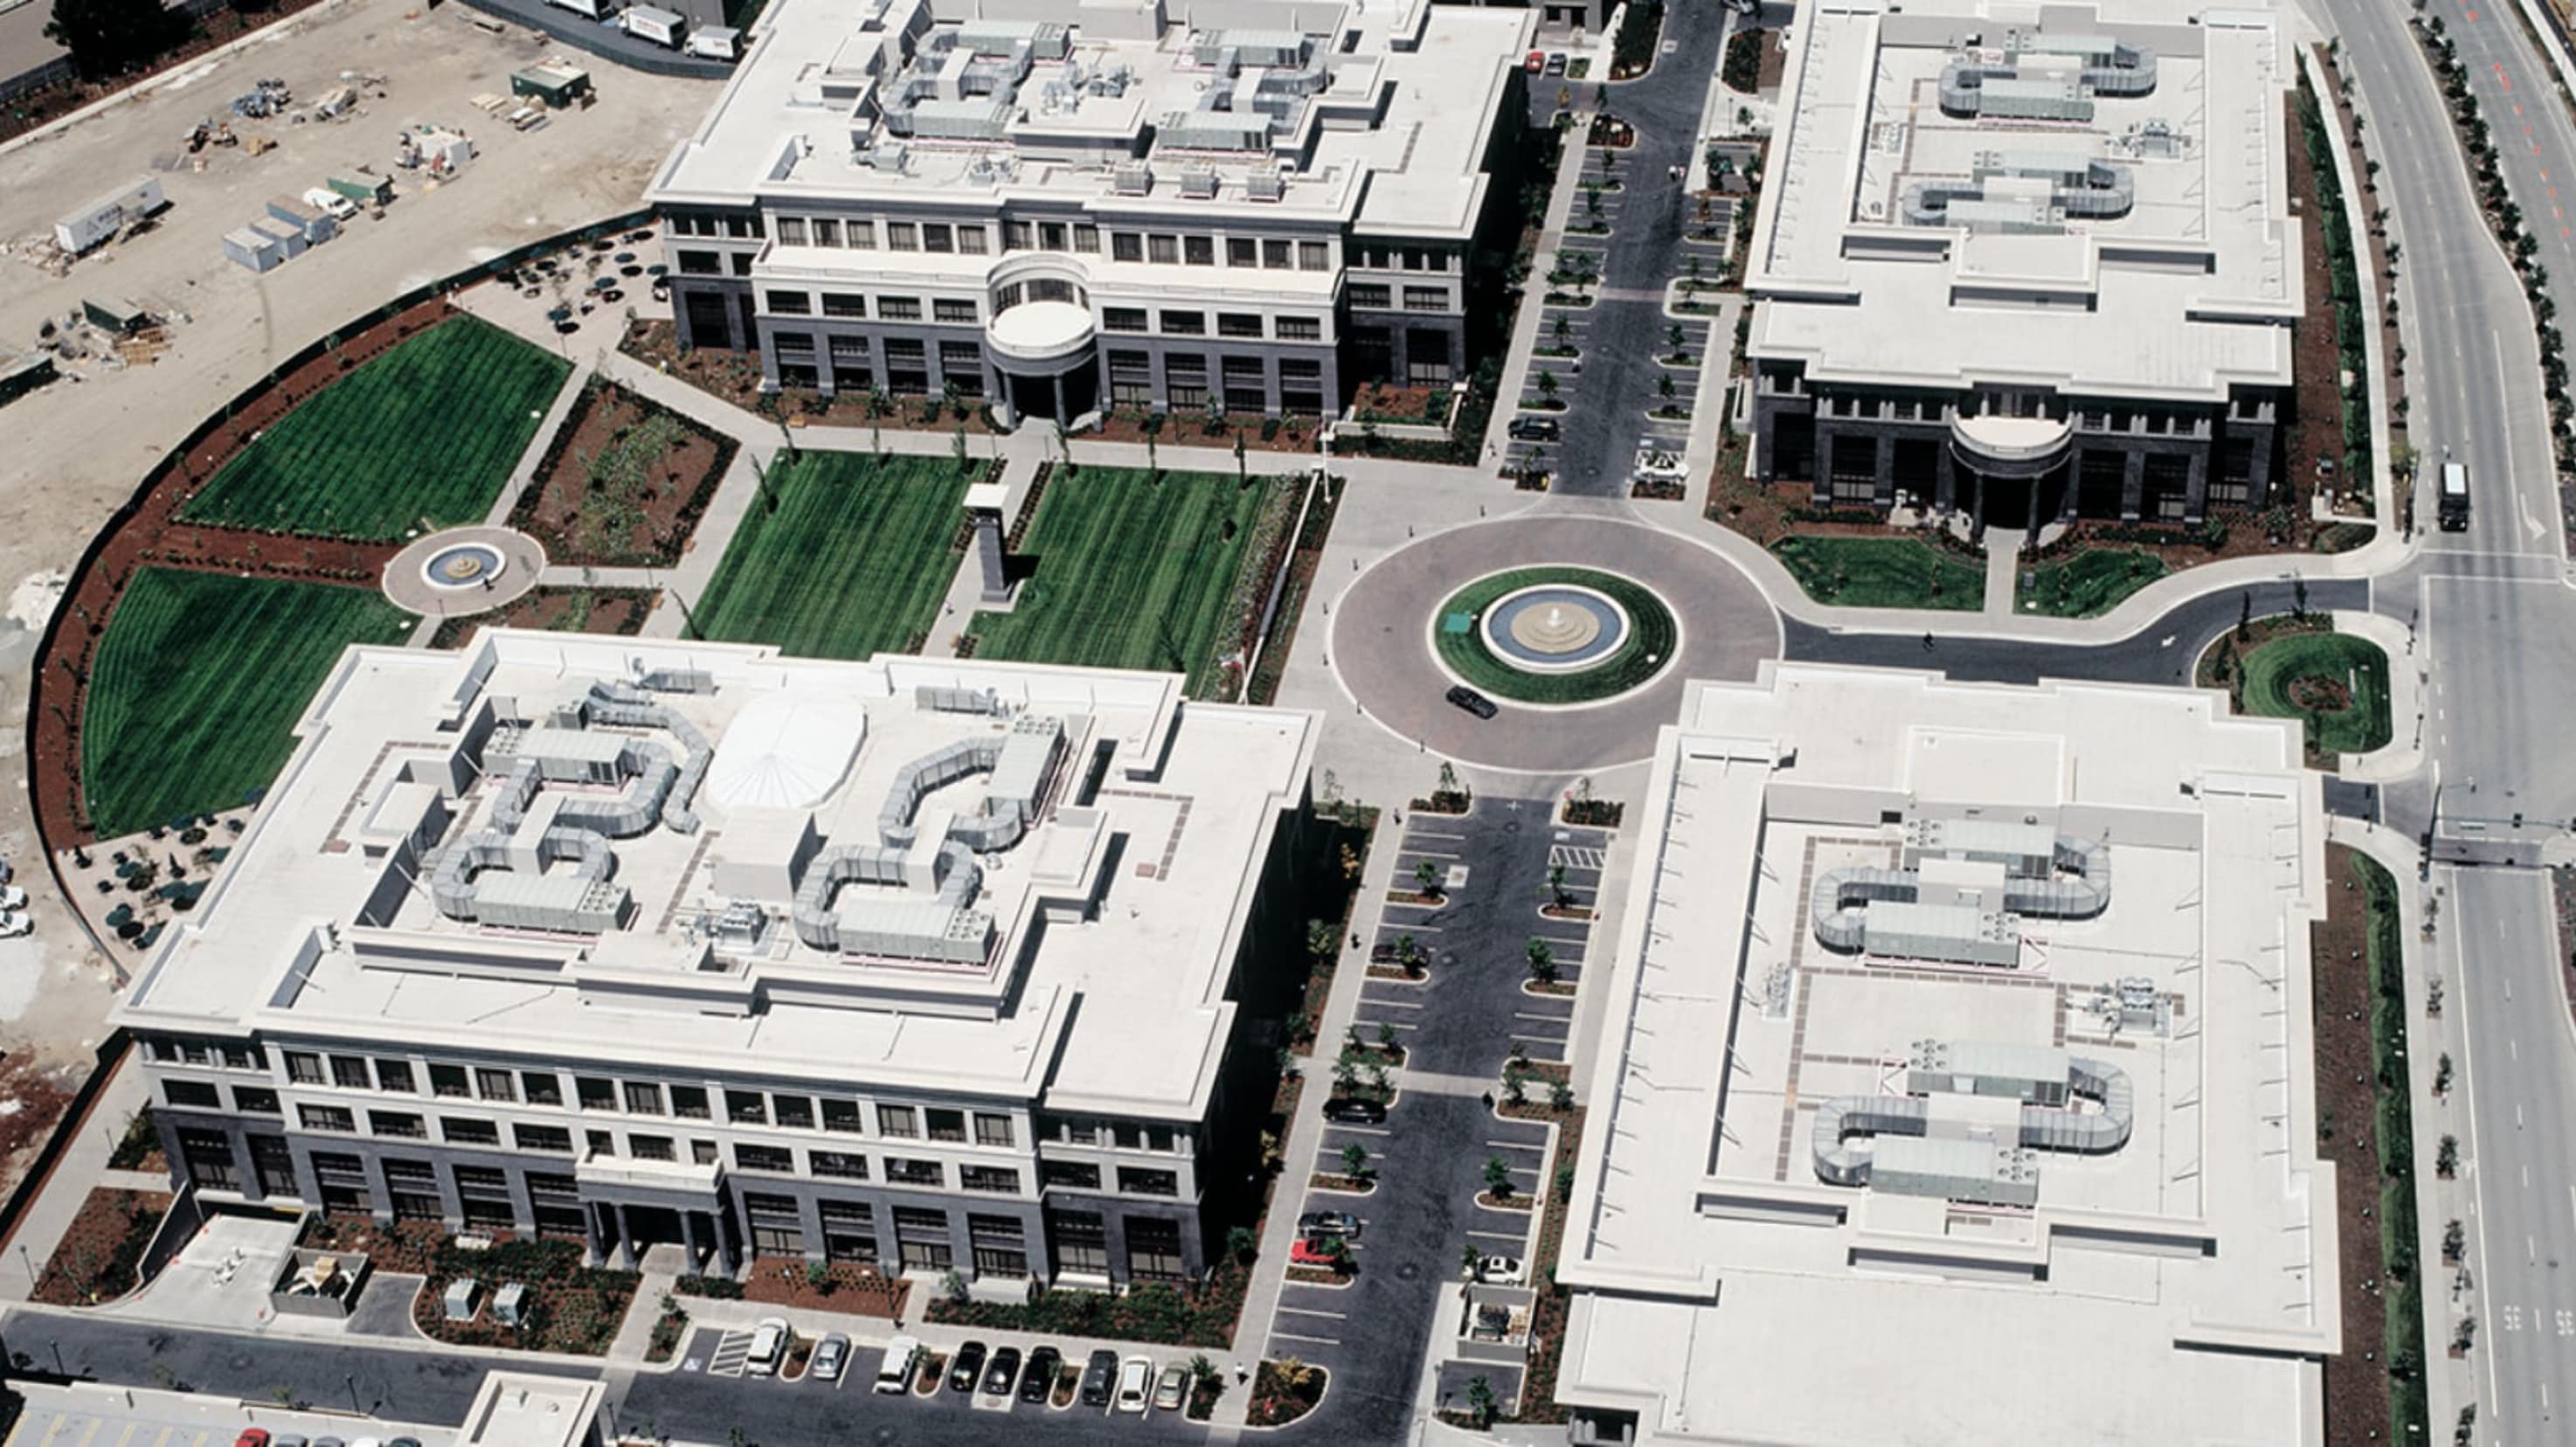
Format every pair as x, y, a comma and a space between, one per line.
426, 432
199, 682
1128, 572
1871, 572
853, 562
2088, 583
2273, 671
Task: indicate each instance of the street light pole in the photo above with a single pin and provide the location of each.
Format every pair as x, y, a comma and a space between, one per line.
30, 1263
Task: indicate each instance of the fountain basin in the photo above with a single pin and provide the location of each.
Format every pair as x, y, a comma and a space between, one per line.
1555, 627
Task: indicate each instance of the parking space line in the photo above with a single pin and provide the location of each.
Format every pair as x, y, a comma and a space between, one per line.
1386, 1024
1565, 1019
1499, 1235
1315, 1311
1277, 1335
1391, 1004
1518, 1145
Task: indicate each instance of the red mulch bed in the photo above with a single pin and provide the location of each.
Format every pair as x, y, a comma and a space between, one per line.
576, 519
615, 611
2356, 1391
859, 1290
221, 27
1188, 429
405, 1246
152, 535
735, 377
99, 1256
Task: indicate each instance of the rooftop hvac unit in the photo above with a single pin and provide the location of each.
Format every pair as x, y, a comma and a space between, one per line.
1199, 183
1267, 186
1132, 178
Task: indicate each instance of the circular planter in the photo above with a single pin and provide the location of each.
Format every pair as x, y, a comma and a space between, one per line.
1554, 635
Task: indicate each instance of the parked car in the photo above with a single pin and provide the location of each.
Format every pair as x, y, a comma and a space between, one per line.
1535, 62
1315, 1251
1329, 1223
1135, 1379
831, 1357
1097, 1375
1002, 1373
1556, 63
1038, 1378
1472, 701
967, 1367
12, 897
1525, 428
252, 1437
287, 1439
1352, 1110
1502, 1271
1173, 1389
769, 1343
896, 1370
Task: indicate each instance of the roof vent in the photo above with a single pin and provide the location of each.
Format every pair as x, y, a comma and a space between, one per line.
1267, 186
1198, 182
1132, 178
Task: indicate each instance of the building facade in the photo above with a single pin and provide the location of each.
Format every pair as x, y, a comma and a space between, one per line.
2048, 272
1251, 206
644, 943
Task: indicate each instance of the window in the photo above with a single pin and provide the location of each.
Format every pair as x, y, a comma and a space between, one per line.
1086, 238
746, 1107
209, 1154
794, 1112
1426, 299
1072, 1175
800, 343
952, 310
1367, 296
899, 308
1413, 258
896, 1121
791, 303
542, 1087
650, 1148
1163, 250
972, 241
902, 236
1154, 1249
599, 1143
594, 1093
849, 1231
465, 1131
1314, 256
325, 1117
703, 1152
827, 232
1242, 251
863, 236
764, 1158
243, 1057
344, 1183
1237, 324
1300, 329
1051, 236
400, 1124
303, 1067
193, 1052
1185, 324
274, 1164
841, 1165
903, 1171
1274, 255
1131, 378
1127, 1137
1126, 246
776, 1228
1199, 250
844, 304
349, 1072
700, 263
254, 1100
447, 1080
1015, 236
791, 230
643, 1097
195, 1093
689, 1102
922, 1238
841, 1115
988, 1178
553, 1139
483, 1194
1185, 381
1081, 1242
1000, 1243
1159, 1138
946, 1125
740, 226
1136, 1181
1123, 318
495, 1085
992, 1130
1082, 1132
739, 263
938, 236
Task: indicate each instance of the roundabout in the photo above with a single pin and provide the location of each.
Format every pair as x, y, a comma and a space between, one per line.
463, 570
1572, 625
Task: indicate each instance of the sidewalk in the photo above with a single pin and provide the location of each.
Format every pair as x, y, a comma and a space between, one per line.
83, 1165
1533, 301
966, 591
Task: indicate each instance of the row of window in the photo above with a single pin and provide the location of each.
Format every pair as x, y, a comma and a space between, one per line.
1244, 381
2154, 422
180, 1050
971, 238
1182, 323
1376, 297
951, 311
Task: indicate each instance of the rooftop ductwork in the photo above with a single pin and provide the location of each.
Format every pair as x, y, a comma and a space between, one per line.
628, 706
2047, 1081
2037, 76
2046, 874
2016, 192
498, 877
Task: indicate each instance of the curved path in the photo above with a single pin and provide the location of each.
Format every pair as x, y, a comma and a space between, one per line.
1381, 639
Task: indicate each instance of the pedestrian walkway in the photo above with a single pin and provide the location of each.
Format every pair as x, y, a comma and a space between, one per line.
966, 592
82, 1164
2003, 569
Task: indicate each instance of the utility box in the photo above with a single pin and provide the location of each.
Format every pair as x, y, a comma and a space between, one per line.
509, 1304
464, 1294
290, 237
115, 315
100, 219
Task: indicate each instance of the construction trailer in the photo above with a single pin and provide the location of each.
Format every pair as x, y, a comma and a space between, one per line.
315, 224
665, 28
716, 42
559, 86
365, 190
114, 315
102, 218
290, 237
254, 250
23, 374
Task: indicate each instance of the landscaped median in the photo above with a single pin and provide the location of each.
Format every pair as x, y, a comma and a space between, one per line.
2296, 666
1881, 572
2086, 583
1458, 633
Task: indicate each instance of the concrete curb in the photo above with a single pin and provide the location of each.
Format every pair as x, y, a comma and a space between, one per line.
2409, 678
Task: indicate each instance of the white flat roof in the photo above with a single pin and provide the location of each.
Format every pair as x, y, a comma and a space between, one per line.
323, 926
2189, 290
2178, 1289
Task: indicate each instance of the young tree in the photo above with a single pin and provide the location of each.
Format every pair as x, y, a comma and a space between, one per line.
1547, 383
1498, 1177
1664, 387
1467, 1259
1556, 891
1542, 960
1240, 1243
1386, 1038
1515, 1084
1355, 1161
1674, 337
1560, 1095
1481, 1402
1426, 876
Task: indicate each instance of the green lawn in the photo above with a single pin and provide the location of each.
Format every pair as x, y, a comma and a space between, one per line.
2086, 583
426, 433
198, 682
1127, 572
1649, 645
853, 562
2272, 669
1863, 572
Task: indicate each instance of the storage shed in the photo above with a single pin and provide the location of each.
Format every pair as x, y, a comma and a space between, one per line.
559, 86
23, 374
114, 315
365, 190
254, 249
291, 237
315, 224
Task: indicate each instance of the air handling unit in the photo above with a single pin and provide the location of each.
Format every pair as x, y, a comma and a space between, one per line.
1963, 893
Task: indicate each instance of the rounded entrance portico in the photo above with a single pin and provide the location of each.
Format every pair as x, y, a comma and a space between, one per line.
1046, 353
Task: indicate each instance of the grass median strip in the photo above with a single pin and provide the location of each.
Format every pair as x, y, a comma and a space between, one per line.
851, 560
2086, 584
1877, 572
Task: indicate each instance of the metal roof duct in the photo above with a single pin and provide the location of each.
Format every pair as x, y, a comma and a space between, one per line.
2071, 881
2042, 1126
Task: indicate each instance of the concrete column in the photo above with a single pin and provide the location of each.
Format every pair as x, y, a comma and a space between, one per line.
2133, 485
1945, 475
696, 1244
1057, 382
809, 1225
2195, 505
1883, 480
625, 1254
984, 511
591, 1215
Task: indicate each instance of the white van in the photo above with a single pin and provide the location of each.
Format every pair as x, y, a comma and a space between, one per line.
896, 1370
769, 1343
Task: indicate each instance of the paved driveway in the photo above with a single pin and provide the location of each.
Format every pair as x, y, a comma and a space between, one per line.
1381, 640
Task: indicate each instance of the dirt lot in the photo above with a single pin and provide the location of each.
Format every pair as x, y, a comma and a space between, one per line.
79, 446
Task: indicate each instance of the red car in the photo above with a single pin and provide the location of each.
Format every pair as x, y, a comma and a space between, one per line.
252, 1437
1536, 62
1314, 1251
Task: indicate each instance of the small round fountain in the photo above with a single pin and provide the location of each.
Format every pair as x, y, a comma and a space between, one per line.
1555, 627
464, 565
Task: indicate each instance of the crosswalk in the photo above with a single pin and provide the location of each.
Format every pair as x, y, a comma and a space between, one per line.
732, 1350
1574, 856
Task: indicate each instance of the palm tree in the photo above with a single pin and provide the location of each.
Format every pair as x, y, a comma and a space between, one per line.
1547, 383
1355, 1161
1498, 1178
